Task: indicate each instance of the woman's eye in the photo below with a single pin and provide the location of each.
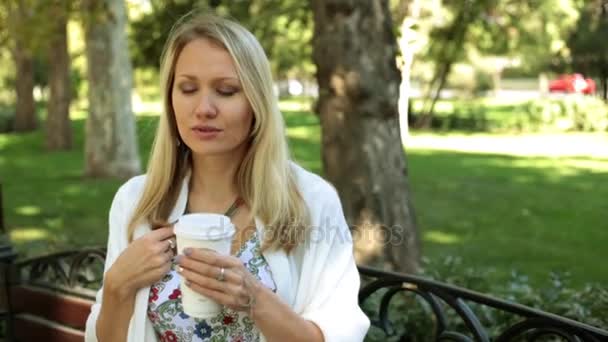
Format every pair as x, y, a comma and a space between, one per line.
187, 90
226, 91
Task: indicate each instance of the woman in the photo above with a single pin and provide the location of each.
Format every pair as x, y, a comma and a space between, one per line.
220, 147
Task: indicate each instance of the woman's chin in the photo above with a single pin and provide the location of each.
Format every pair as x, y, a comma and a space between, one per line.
212, 152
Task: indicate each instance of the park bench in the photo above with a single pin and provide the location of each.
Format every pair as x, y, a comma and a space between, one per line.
51, 300
52, 296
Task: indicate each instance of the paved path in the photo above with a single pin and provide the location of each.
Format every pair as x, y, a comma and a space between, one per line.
591, 145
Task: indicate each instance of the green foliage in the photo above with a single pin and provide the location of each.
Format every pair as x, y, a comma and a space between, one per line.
526, 35
77, 82
588, 305
483, 83
7, 118
446, 41
531, 31
7, 67
149, 32
588, 55
29, 23
283, 27
147, 82
570, 113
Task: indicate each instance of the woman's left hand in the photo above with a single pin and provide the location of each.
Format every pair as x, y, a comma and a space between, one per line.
202, 271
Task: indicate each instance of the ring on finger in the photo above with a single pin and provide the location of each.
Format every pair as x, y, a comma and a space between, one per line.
221, 275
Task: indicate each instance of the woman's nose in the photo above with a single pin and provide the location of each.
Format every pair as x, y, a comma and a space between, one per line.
206, 107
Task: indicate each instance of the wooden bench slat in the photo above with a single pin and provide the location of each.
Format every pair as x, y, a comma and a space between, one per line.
60, 308
32, 328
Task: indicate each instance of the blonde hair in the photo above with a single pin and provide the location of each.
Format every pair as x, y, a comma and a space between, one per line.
265, 178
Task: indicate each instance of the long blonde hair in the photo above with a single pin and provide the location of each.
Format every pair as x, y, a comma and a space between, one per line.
265, 178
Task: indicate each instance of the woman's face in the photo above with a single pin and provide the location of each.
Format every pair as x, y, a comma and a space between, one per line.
213, 115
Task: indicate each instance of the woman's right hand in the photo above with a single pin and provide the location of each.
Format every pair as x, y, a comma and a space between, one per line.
145, 261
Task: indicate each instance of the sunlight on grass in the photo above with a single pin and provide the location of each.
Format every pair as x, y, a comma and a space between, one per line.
78, 113
21, 235
596, 165
4, 140
55, 223
560, 167
441, 237
303, 133
441, 106
295, 105
28, 210
588, 145
73, 190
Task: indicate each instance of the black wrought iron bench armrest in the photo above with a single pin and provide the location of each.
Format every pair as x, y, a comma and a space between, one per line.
532, 323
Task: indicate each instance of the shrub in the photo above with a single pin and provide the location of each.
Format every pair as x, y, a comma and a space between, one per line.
572, 113
569, 113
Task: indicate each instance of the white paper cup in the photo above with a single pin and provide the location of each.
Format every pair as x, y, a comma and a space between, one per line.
211, 231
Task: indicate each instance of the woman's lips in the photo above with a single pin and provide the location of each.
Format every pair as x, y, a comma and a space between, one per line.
206, 132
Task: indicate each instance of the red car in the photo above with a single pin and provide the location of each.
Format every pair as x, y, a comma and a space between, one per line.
573, 83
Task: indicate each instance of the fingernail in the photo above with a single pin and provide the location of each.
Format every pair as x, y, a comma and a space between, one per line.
188, 283
188, 251
178, 258
180, 270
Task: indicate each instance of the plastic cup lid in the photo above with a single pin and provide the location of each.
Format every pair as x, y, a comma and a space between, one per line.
204, 226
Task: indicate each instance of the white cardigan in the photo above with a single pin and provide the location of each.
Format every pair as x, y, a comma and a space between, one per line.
318, 279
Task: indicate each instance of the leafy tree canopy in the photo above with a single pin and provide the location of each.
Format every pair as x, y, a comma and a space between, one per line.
284, 28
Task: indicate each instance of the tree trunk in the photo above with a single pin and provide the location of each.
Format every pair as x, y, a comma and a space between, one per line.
355, 51
111, 146
426, 120
408, 19
604, 83
25, 108
58, 128
604, 54
451, 48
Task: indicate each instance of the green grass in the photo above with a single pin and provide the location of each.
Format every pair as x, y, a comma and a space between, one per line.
496, 211
49, 205
532, 214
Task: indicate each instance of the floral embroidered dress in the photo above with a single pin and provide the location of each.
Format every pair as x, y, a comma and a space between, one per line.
172, 324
